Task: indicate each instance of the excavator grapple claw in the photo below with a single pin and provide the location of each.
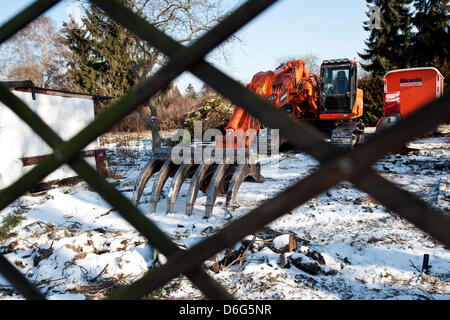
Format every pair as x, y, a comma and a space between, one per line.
222, 176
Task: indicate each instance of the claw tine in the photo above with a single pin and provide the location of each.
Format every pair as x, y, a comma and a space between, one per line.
255, 173
214, 188
175, 186
150, 167
238, 177
194, 186
242, 172
163, 175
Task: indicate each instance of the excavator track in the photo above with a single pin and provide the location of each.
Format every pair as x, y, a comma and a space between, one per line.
348, 135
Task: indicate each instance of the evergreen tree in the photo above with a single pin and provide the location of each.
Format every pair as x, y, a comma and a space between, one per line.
431, 45
388, 47
190, 91
373, 99
108, 60
101, 48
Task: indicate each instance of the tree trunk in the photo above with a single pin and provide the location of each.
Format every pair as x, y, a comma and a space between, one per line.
150, 116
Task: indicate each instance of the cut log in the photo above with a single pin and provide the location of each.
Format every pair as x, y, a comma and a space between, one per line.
284, 243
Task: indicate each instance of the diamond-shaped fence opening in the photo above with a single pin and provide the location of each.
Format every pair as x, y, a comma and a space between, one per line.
336, 165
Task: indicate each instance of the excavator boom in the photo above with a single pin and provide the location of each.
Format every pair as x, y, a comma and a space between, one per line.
301, 94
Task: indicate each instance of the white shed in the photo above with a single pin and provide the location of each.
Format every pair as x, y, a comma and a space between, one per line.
67, 113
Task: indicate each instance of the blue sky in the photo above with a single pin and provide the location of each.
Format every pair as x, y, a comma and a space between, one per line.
328, 28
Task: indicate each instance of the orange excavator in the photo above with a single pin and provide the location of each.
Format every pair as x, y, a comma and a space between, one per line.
321, 101
305, 97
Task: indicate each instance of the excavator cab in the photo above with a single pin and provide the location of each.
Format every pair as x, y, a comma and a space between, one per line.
338, 94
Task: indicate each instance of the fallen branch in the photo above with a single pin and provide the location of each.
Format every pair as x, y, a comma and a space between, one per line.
96, 277
412, 265
241, 256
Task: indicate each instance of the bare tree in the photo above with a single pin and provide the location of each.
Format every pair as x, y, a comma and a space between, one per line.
312, 61
184, 20
37, 53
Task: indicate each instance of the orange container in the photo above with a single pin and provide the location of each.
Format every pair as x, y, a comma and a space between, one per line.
417, 87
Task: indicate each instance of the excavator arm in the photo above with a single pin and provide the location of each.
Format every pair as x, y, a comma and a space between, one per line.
289, 87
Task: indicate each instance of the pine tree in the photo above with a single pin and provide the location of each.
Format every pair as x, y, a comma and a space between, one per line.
373, 99
108, 59
190, 91
388, 47
103, 63
431, 45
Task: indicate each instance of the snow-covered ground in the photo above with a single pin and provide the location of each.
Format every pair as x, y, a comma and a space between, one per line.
343, 244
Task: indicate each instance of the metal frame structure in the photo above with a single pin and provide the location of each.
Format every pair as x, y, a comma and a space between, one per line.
336, 165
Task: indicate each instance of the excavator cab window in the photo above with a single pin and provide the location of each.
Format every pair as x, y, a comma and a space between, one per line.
338, 88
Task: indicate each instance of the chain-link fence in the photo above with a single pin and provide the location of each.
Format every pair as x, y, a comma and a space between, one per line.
336, 165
